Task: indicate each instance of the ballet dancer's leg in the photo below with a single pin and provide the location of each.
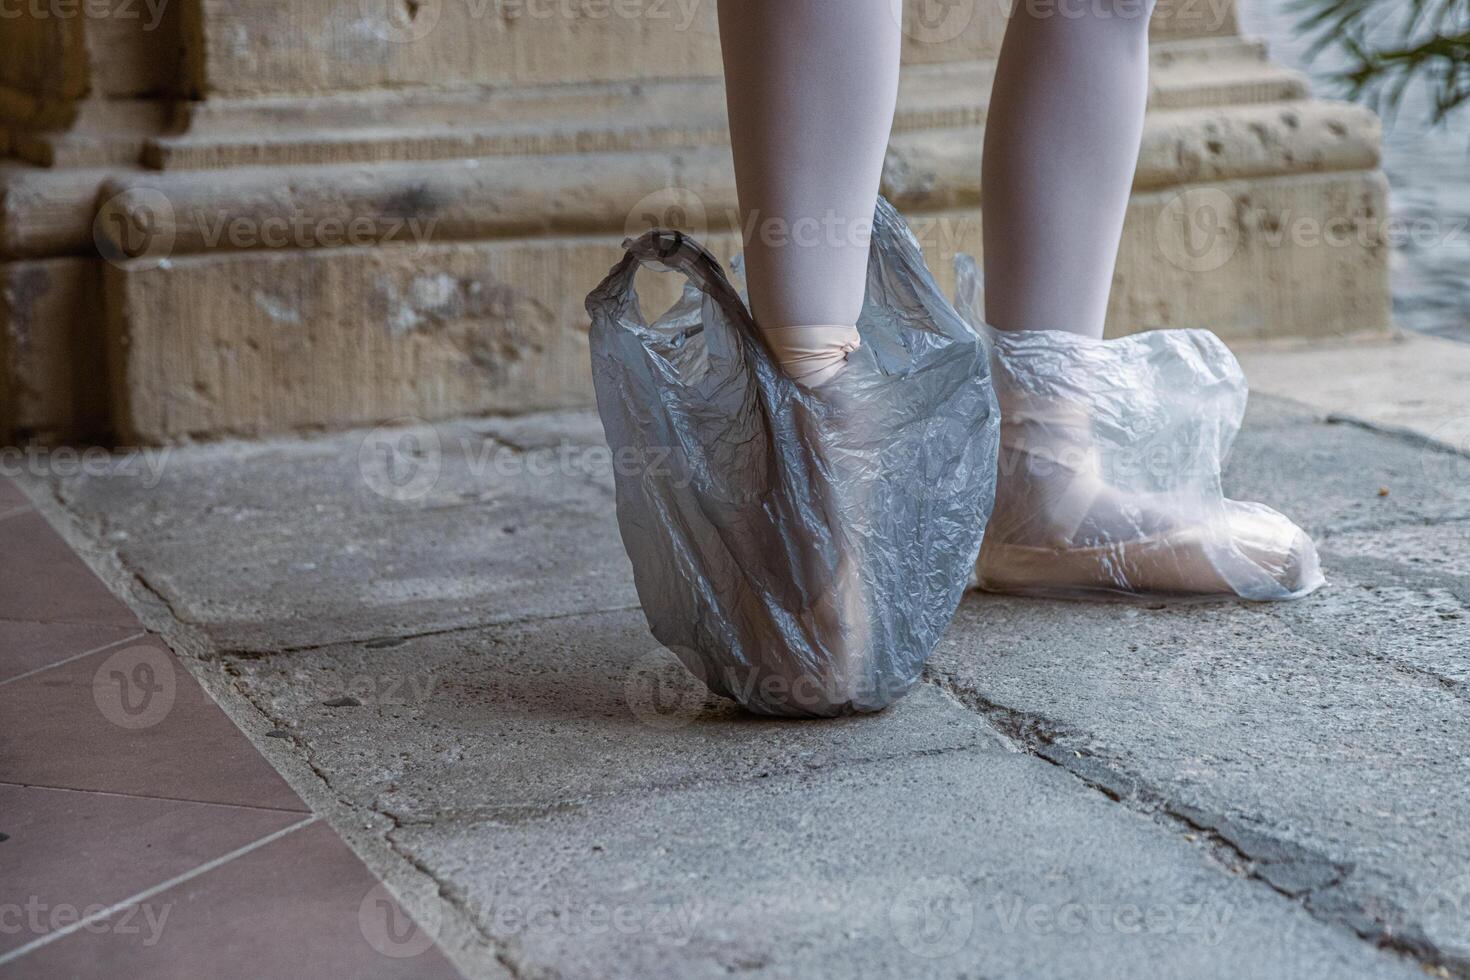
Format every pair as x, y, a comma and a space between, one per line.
1061, 145
1074, 511
811, 87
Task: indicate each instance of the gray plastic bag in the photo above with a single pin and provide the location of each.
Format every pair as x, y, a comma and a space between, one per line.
800, 551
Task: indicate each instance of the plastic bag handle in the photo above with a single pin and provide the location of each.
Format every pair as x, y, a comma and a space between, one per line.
673, 250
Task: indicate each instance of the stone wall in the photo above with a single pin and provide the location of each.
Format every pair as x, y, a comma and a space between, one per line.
230, 217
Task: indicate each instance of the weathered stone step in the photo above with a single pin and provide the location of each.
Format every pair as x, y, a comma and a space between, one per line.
662, 114
589, 193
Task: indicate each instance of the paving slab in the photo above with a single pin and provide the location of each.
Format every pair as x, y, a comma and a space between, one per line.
1333, 477
128, 796
130, 719
1334, 760
11, 497
1434, 555
41, 582
297, 544
29, 647
516, 719
962, 864
1414, 383
1325, 736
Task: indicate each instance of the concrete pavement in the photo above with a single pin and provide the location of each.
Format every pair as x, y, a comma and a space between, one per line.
432, 633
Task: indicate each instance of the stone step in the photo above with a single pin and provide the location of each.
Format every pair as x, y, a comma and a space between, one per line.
664, 114
171, 214
264, 340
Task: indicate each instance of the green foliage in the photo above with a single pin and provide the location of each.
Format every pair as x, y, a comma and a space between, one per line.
1386, 46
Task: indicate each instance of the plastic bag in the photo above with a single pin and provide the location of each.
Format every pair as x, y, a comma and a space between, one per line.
1110, 469
800, 551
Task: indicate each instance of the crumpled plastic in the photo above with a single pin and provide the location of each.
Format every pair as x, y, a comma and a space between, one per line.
1110, 469
800, 551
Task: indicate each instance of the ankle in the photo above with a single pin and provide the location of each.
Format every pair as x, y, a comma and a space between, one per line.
812, 354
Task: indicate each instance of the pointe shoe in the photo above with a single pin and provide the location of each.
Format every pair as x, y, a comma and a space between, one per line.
812, 355
1249, 551
840, 621
1084, 504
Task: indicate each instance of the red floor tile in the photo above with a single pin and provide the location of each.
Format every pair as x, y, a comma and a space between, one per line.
131, 720
134, 777
25, 647
10, 496
301, 906
42, 579
68, 852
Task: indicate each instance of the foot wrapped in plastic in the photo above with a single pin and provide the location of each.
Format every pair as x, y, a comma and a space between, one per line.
1109, 470
800, 548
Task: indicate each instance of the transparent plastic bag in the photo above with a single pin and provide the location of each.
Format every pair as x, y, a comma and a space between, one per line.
1110, 469
800, 551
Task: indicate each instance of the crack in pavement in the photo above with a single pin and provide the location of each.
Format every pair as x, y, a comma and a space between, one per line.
1311, 880
587, 478
1312, 633
1403, 434
387, 640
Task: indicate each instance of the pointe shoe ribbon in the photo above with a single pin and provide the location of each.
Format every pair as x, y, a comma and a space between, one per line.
812, 355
